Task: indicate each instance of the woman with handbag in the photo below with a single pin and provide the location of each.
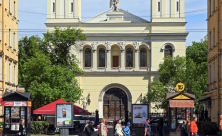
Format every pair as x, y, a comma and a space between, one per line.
119, 130
22, 130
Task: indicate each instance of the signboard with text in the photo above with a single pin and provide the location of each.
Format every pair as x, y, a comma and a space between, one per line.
15, 103
140, 112
64, 115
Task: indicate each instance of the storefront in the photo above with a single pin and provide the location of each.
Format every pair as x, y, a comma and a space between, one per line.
17, 106
180, 108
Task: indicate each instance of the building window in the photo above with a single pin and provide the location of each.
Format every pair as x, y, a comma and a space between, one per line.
15, 9
72, 7
5, 70
168, 51
87, 57
15, 74
210, 40
221, 68
158, 6
209, 74
14, 41
129, 57
210, 8
101, 57
5, 35
214, 71
213, 5
143, 57
9, 6
213, 108
9, 37
10, 72
53, 7
0, 68
177, 5
213, 36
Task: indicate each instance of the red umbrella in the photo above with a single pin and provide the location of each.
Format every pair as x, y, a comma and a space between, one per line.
50, 109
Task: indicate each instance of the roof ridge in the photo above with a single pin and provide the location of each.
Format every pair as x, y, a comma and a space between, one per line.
135, 15
96, 15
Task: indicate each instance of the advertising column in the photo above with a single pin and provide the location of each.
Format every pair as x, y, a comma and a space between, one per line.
140, 113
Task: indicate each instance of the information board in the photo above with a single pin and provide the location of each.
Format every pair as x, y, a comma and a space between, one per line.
64, 115
140, 112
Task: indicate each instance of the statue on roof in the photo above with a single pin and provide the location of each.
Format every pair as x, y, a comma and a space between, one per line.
114, 4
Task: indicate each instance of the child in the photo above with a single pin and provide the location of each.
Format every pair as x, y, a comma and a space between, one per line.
127, 129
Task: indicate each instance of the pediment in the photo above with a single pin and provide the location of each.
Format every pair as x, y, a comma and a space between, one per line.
127, 17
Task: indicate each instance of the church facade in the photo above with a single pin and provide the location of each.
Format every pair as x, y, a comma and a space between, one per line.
122, 52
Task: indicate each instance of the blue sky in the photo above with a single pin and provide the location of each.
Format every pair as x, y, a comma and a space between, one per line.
196, 20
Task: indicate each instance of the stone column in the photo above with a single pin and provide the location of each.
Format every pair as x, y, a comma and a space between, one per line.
94, 60
108, 61
81, 59
122, 62
136, 60
150, 60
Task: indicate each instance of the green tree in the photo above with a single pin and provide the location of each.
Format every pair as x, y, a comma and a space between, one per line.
60, 42
47, 67
190, 70
27, 48
49, 82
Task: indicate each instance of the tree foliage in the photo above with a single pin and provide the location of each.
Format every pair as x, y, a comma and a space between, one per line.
48, 72
190, 70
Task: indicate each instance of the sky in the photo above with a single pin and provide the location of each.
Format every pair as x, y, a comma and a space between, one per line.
32, 15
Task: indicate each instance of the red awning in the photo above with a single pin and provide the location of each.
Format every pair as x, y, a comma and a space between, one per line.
50, 109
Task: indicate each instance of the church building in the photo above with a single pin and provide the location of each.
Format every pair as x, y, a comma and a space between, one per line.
122, 52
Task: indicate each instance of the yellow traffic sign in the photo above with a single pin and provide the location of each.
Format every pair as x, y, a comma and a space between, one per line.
180, 87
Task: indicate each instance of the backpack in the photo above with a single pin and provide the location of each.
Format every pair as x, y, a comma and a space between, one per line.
87, 130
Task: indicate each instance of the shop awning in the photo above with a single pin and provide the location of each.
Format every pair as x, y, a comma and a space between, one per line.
181, 103
205, 99
50, 109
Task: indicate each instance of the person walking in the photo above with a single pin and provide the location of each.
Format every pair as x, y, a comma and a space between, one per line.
114, 125
22, 130
193, 127
98, 127
127, 129
188, 128
147, 128
160, 126
220, 125
183, 131
118, 128
103, 129
89, 129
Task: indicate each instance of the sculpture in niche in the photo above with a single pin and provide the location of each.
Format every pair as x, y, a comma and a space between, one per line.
84, 103
136, 45
94, 45
122, 45
114, 4
107, 44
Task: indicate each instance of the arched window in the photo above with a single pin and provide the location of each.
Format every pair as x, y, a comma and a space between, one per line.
168, 51
129, 57
87, 57
143, 57
101, 57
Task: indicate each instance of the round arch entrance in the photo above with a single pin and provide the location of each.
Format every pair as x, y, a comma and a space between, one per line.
114, 103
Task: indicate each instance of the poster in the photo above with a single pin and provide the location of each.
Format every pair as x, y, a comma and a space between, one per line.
64, 114
139, 115
15, 112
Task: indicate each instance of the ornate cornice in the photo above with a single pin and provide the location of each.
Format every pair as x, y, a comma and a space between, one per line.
11, 59
15, 61
6, 57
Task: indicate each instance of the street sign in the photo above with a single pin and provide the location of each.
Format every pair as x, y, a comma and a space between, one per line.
180, 87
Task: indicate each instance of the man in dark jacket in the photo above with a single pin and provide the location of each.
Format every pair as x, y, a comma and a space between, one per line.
115, 121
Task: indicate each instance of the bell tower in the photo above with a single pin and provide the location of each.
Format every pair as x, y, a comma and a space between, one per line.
167, 11
59, 11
